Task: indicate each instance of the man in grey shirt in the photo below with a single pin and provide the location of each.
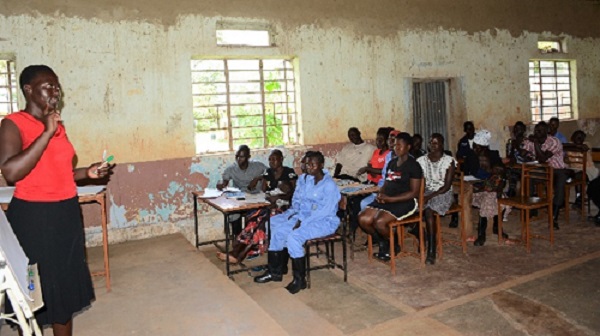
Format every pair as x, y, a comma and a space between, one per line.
246, 176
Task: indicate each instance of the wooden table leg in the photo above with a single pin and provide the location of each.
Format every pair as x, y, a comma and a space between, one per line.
466, 202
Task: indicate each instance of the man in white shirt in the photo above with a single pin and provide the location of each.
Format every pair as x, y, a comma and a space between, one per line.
353, 156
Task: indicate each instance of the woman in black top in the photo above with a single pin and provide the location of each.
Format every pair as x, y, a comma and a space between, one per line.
397, 197
279, 183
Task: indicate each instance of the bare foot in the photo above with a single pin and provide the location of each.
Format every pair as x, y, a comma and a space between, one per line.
471, 239
222, 257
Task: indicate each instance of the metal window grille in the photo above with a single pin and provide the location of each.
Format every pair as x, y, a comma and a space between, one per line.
239, 102
8, 88
430, 108
550, 90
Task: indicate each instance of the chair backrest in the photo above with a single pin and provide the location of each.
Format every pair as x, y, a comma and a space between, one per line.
421, 197
458, 181
537, 172
576, 158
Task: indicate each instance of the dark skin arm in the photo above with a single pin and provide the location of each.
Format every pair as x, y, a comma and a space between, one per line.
541, 156
415, 184
338, 169
287, 196
369, 169
16, 163
447, 183
223, 185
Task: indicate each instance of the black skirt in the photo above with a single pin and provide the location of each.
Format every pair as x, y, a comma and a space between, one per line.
51, 234
399, 210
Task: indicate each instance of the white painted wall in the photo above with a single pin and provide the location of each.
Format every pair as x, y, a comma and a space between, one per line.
127, 83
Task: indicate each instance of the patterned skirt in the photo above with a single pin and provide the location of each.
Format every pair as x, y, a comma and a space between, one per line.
440, 203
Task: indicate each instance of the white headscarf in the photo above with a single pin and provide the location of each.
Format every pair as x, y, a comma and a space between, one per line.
482, 137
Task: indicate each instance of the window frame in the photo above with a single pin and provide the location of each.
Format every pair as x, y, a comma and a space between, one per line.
538, 103
285, 113
12, 85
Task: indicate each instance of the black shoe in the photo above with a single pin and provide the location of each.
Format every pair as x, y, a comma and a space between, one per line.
268, 277
556, 212
284, 261
299, 271
495, 228
481, 228
274, 270
454, 221
431, 249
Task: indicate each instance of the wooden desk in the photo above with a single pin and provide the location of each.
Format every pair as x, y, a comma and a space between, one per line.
96, 194
227, 207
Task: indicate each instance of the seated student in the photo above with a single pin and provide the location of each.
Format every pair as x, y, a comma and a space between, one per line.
513, 154
417, 151
352, 157
312, 216
472, 166
485, 197
465, 144
245, 174
548, 149
553, 125
397, 198
373, 170
578, 143
277, 178
373, 167
438, 169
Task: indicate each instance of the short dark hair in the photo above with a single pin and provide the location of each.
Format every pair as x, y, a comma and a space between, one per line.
407, 138
30, 72
467, 123
276, 152
520, 123
417, 136
554, 119
244, 148
438, 136
578, 132
355, 129
316, 154
542, 124
385, 132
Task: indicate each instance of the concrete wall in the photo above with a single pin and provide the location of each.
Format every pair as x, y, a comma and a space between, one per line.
124, 67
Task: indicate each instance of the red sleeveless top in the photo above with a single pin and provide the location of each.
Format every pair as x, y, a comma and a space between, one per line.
52, 179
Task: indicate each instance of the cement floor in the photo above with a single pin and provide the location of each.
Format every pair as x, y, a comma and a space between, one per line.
163, 286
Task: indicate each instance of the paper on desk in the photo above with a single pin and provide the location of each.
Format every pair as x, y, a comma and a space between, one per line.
232, 189
90, 190
256, 198
469, 178
211, 193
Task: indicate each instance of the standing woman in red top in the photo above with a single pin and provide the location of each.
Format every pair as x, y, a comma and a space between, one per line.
37, 157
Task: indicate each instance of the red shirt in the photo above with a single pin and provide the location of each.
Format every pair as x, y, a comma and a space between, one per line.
52, 178
377, 162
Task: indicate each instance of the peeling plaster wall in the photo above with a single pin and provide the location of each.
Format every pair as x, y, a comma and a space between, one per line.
124, 67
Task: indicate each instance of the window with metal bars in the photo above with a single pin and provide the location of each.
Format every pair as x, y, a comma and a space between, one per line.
8, 88
237, 102
550, 89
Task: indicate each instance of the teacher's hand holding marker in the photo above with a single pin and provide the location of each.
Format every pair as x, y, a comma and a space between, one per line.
101, 169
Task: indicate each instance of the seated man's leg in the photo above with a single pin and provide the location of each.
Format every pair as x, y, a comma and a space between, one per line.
281, 226
295, 243
560, 179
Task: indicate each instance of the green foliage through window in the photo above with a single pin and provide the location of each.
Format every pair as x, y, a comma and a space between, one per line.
248, 102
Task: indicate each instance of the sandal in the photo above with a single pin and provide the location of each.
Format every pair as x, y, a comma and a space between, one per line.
222, 257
